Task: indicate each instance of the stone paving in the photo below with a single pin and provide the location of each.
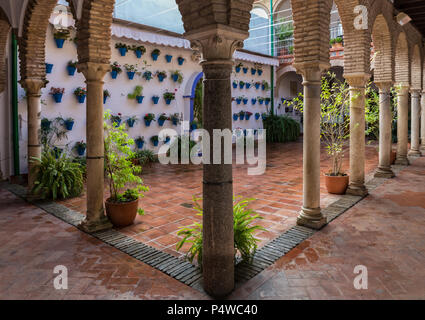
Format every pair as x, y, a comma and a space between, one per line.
278, 193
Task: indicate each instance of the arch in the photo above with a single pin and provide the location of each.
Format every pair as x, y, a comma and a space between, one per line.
402, 65
416, 69
192, 94
383, 56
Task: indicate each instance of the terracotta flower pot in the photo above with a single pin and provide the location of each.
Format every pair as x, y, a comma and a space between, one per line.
336, 184
393, 156
122, 214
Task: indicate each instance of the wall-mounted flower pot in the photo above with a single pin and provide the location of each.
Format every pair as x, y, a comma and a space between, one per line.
161, 78
114, 74
81, 99
336, 184
155, 100
117, 123
260, 72
245, 101
241, 85
140, 144
235, 85
140, 99
257, 86
267, 102
81, 151
167, 139
235, 117
155, 56
161, 122
248, 85
261, 102
130, 75
168, 58
69, 125
138, 53
57, 151
131, 122
242, 117
257, 116
247, 116
123, 51
104, 99
253, 71
263, 117
148, 123
253, 101
168, 101
175, 77
175, 122
245, 70
193, 126
59, 43
238, 101
180, 60
49, 67
71, 70
155, 143
238, 69
58, 97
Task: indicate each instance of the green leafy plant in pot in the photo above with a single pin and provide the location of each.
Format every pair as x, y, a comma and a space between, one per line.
122, 205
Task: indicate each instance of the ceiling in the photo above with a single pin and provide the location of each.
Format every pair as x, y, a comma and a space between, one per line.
415, 9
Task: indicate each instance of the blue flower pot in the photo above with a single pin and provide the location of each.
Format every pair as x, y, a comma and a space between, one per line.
175, 77
235, 117
81, 99
155, 100
260, 72
193, 127
266, 102
244, 132
253, 101
58, 97
263, 117
104, 99
81, 151
167, 139
138, 53
175, 122
59, 43
130, 75
180, 61
248, 85
155, 143
168, 101
247, 116
257, 86
253, 71
261, 102
235, 85
263, 87
155, 56
148, 123
140, 144
161, 122
114, 74
57, 152
168, 58
161, 78
117, 123
131, 122
69, 125
245, 70
122, 51
241, 85
140, 99
241, 117
147, 76
71, 70
238, 69
49, 67
238, 101
245, 101
257, 116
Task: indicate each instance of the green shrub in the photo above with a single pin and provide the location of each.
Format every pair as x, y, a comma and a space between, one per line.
244, 241
179, 144
281, 128
144, 157
57, 178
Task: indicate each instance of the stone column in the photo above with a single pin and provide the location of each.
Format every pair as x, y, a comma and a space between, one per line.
217, 47
415, 116
357, 84
310, 215
385, 120
95, 219
422, 147
33, 91
402, 124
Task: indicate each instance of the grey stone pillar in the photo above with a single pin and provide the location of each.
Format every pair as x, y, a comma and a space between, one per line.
385, 120
95, 219
357, 84
310, 215
422, 147
402, 124
415, 129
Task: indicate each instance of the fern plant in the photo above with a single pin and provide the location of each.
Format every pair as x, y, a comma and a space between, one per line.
245, 243
281, 128
56, 178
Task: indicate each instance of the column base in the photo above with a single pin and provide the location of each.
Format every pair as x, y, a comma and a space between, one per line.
97, 225
402, 161
414, 153
311, 218
355, 190
422, 150
384, 173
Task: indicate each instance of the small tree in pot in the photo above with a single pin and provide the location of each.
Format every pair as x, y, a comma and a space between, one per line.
121, 207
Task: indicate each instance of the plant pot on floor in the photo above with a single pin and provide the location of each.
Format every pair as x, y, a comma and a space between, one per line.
336, 184
393, 156
121, 214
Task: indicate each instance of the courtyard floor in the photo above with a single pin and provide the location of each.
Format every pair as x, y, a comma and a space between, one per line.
278, 195
385, 232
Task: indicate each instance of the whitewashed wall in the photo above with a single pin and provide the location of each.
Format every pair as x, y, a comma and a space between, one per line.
6, 155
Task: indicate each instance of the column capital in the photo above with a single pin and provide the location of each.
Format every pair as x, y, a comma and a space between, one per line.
402, 89
415, 92
384, 86
33, 86
357, 80
93, 71
311, 71
216, 43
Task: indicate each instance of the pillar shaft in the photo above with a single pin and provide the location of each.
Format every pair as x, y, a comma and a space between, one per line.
402, 125
415, 116
385, 133
95, 219
357, 134
310, 214
422, 146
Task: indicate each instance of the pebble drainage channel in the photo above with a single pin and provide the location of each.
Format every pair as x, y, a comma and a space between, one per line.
184, 271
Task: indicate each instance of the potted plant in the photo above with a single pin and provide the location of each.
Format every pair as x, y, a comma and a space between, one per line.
149, 117
177, 76
138, 50
257, 115
155, 140
336, 42
106, 95
140, 141
253, 101
248, 85
131, 121
162, 118
235, 84
175, 118
248, 115
155, 99
115, 70
239, 100
80, 146
60, 36
235, 116
265, 85
121, 207
238, 67
180, 60
122, 48
194, 124
267, 101
244, 100
57, 94
259, 69
147, 75
253, 71
69, 123
241, 115
260, 100
49, 67
241, 84
46, 124
169, 96
161, 75
168, 58
71, 67
115, 119
137, 94
257, 85
264, 115
131, 70
81, 94
155, 54
245, 70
